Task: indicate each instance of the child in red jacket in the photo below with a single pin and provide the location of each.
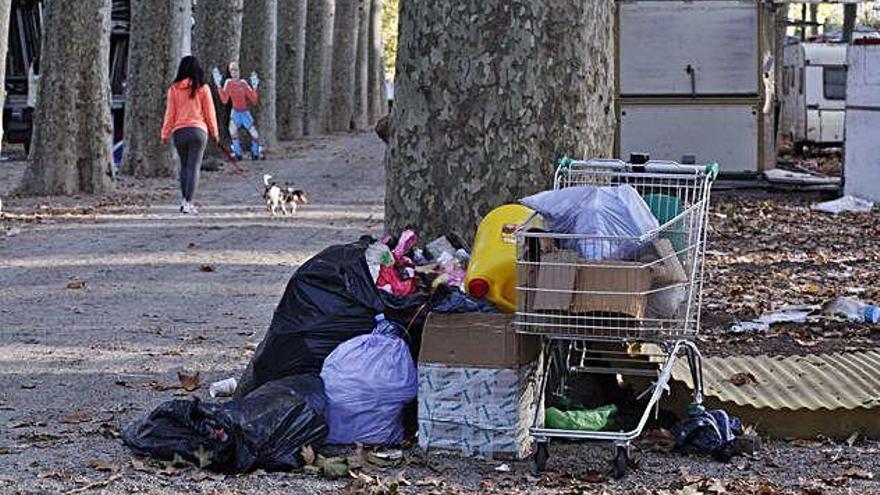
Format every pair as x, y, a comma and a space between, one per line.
243, 96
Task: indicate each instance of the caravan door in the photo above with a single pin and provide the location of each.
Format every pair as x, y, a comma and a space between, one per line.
825, 88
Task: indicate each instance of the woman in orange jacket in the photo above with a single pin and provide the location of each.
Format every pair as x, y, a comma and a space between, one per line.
190, 119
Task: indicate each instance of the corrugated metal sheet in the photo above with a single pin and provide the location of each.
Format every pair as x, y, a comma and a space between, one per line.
841, 381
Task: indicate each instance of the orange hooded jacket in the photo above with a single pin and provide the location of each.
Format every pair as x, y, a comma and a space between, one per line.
182, 110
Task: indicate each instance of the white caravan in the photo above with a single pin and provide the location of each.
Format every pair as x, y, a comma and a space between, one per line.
814, 93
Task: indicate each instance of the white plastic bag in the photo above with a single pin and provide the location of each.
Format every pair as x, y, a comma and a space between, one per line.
607, 214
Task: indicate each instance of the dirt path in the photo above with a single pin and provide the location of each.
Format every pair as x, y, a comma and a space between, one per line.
162, 291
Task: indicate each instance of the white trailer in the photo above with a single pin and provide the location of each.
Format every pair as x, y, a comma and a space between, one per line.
813, 93
862, 156
693, 76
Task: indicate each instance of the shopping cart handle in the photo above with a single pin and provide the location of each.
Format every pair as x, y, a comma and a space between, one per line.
712, 170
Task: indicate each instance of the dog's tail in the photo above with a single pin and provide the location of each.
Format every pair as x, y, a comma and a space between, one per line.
266, 179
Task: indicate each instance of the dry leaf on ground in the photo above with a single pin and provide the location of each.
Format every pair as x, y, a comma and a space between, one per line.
76, 284
744, 378
101, 465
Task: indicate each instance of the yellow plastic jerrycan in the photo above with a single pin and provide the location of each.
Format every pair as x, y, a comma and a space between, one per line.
492, 269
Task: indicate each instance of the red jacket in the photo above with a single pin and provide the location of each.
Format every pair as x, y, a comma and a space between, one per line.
183, 110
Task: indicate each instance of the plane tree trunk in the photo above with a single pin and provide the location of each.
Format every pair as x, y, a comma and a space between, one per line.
216, 42
290, 64
258, 53
157, 43
489, 95
71, 148
319, 61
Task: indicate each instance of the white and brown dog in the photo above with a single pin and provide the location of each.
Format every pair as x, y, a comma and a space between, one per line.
280, 197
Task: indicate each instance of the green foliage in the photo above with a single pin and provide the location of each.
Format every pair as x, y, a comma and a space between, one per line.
390, 10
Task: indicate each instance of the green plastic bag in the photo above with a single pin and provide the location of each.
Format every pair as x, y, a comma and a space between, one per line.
585, 419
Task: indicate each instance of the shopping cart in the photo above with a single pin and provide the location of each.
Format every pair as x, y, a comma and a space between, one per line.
625, 306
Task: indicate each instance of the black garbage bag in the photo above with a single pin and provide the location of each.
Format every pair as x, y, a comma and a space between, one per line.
266, 429
330, 299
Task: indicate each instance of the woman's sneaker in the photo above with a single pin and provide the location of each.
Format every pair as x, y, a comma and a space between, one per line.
192, 209
183, 206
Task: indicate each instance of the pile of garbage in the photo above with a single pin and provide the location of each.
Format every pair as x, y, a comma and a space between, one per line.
337, 364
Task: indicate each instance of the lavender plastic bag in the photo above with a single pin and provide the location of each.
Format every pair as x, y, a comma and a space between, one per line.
368, 380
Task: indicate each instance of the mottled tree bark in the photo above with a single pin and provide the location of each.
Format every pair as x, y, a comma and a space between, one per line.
156, 45
376, 76
345, 30
291, 47
319, 61
489, 95
71, 150
216, 42
4, 44
362, 67
258, 42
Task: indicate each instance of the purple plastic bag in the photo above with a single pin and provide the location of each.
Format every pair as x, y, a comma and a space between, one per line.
368, 380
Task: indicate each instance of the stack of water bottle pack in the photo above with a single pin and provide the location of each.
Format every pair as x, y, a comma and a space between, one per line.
478, 384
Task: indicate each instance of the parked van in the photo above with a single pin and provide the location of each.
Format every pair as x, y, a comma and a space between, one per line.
814, 92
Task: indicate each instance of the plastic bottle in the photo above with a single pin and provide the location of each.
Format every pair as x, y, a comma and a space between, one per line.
492, 269
854, 310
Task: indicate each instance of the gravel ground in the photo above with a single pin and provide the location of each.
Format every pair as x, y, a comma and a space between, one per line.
159, 291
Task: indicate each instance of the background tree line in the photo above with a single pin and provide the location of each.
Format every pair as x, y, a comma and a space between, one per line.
321, 65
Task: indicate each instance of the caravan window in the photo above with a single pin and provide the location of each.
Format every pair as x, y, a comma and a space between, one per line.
834, 82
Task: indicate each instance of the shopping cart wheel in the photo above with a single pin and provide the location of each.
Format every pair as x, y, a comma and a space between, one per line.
539, 461
620, 462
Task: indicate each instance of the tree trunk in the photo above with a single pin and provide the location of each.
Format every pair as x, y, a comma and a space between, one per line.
216, 42
259, 33
319, 58
156, 46
849, 21
345, 29
814, 16
71, 150
362, 67
4, 44
291, 58
489, 95
376, 77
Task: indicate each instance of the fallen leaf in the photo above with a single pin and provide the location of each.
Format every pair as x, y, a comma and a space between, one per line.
744, 378
203, 456
28, 385
806, 443
96, 484
192, 245
858, 473
76, 284
58, 475
207, 269
189, 379
76, 418
24, 424
160, 387
430, 481
332, 467
658, 439
107, 430
852, 439
716, 486
139, 465
101, 465
308, 455
592, 476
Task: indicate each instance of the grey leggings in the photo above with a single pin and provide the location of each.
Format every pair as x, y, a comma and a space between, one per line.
190, 143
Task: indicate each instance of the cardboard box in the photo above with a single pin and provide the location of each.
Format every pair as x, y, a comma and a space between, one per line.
630, 279
476, 340
482, 412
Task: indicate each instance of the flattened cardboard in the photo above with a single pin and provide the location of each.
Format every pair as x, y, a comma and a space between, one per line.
476, 340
